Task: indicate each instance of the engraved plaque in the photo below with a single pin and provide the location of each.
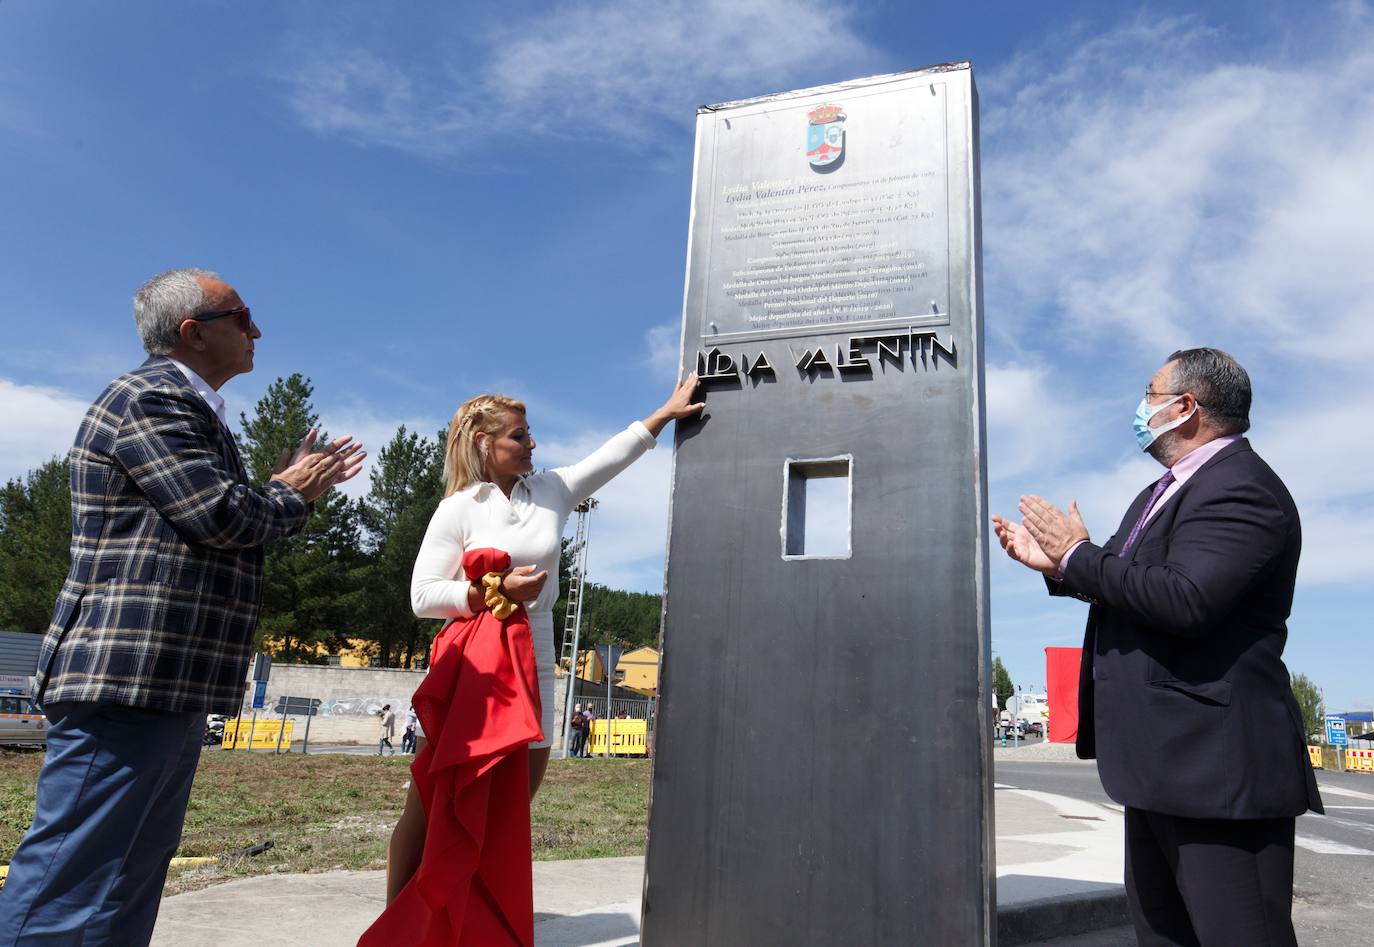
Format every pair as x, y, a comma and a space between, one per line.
824, 212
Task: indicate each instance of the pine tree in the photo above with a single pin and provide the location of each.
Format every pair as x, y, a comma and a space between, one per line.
1311, 703
312, 581
1001, 683
35, 544
407, 484
629, 619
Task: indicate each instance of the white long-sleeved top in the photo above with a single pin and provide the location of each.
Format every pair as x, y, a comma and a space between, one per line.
528, 525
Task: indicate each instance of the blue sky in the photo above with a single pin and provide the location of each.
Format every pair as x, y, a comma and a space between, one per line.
422, 201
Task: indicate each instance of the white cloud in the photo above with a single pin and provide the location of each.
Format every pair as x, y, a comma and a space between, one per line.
367, 100
1033, 425
1148, 203
597, 69
40, 423
664, 348
629, 61
1314, 445
1333, 547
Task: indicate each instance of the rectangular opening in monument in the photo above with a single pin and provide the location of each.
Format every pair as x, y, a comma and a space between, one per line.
816, 508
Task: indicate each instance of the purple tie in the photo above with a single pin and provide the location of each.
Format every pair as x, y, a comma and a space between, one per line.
1158, 491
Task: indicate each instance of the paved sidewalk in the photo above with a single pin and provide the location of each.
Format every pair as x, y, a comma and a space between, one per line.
1058, 874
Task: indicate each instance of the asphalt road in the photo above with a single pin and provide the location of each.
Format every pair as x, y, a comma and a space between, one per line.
1333, 899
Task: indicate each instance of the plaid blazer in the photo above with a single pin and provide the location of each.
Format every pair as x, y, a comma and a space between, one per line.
159, 607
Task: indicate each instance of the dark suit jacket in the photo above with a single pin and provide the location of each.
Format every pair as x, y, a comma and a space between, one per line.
1184, 698
159, 607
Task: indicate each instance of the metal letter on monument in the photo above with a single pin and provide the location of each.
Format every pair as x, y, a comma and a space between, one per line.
822, 766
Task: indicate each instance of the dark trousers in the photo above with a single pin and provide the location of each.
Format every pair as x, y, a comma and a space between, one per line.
1204, 882
575, 741
111, 800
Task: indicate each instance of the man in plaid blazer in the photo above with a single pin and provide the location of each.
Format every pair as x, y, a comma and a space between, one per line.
154, 625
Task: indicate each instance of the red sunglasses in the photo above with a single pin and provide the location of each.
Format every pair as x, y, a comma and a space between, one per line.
244, 314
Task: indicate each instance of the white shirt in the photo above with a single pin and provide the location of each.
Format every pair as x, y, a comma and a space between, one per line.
528, 525
202, 387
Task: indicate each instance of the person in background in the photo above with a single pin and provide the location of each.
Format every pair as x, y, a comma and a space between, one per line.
587, 722
153, 627
387, 730
408, 737
577, 736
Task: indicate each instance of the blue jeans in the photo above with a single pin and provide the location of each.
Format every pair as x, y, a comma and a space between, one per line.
111, 800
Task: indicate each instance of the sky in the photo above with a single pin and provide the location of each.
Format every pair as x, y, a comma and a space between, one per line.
422, 201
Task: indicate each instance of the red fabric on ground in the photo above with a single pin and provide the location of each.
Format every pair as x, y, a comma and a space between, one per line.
479, 707
1061, 686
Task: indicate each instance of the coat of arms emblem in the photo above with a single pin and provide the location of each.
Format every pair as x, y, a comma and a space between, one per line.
825, 137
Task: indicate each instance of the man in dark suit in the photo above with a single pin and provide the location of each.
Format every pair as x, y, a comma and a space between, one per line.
1184, 699
154, 624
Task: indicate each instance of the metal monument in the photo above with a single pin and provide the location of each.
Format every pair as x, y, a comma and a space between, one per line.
822, 769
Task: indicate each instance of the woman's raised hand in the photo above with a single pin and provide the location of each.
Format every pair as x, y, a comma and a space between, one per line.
678, 406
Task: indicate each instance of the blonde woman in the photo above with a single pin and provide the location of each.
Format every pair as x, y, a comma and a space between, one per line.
492, 499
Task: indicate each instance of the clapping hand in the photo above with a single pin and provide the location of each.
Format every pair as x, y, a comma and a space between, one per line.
312, 472
1054, 532
1019, 545
1045, 535
289, 456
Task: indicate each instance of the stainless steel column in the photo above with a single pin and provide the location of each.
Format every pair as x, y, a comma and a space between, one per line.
823, 767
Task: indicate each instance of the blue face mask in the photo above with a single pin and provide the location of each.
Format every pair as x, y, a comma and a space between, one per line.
1146, 435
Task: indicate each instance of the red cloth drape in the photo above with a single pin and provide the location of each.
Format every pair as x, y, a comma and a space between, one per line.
1061, 687
479, 706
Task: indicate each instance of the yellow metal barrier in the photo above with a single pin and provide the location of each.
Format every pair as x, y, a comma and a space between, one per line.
1359, 761
627, 737
1314, 753
264, 733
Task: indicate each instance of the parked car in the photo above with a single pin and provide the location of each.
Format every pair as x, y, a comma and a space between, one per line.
1029, 728
21, 722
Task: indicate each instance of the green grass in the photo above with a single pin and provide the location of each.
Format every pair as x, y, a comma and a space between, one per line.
330, 811
591, 809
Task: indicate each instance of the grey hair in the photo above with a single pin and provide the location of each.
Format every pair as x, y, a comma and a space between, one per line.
164, 302
1218, 383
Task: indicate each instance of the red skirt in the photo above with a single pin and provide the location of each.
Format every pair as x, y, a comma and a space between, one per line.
480, 709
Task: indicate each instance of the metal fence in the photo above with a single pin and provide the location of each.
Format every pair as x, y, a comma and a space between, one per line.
631, 709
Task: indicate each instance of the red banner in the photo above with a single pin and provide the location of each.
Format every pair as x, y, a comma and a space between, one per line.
1061, 683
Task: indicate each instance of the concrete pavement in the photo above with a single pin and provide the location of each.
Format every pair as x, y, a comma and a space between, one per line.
1059, 866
